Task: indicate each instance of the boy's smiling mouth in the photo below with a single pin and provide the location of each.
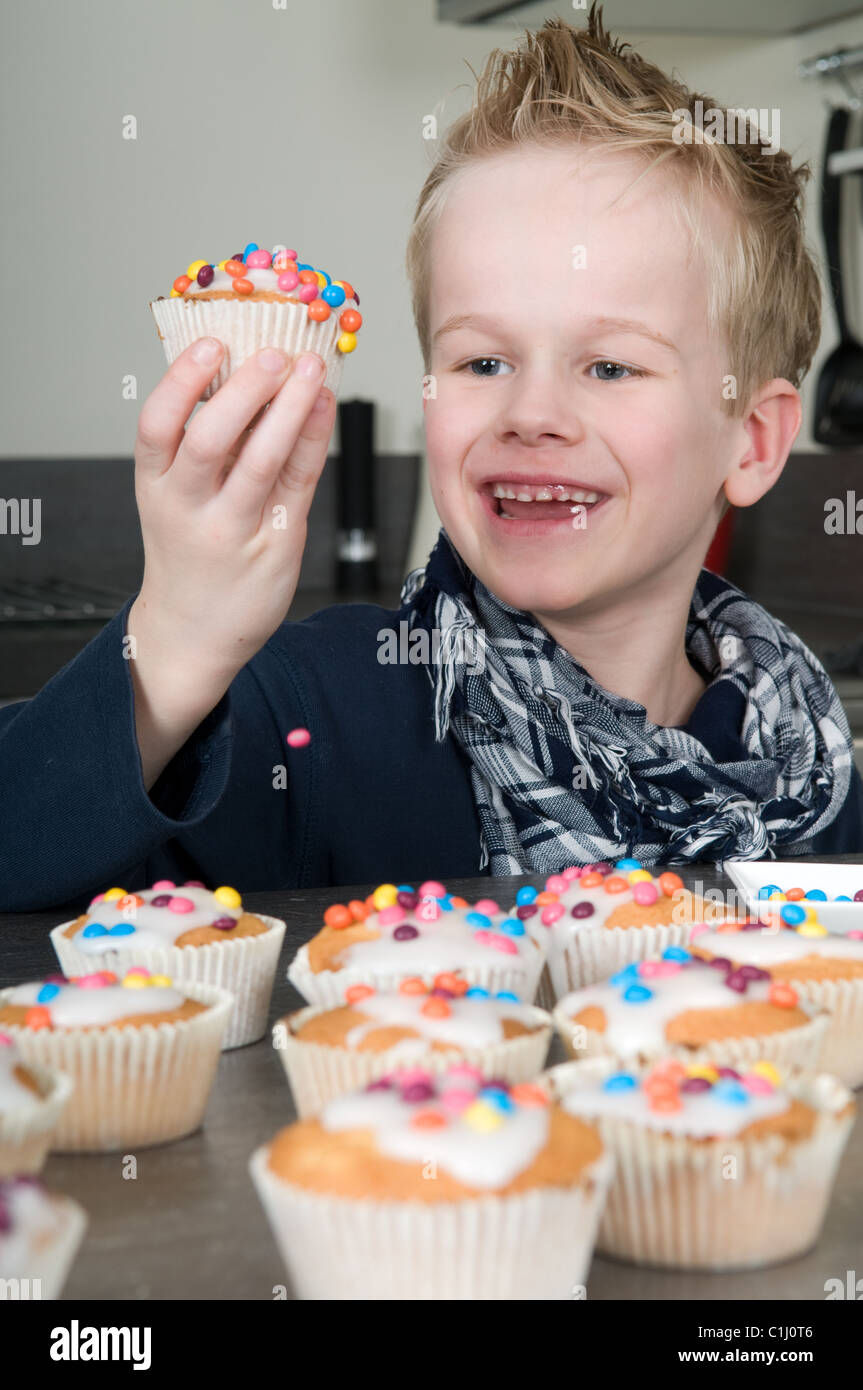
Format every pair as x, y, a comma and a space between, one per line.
540, 503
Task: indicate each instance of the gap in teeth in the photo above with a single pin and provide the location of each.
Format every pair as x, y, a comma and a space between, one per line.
553, 493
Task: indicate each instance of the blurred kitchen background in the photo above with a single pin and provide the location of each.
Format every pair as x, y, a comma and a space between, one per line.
302, 123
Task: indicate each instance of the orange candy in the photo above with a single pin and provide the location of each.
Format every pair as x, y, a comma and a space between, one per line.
309, 277
591, 880
665, 1104
358, 910
615, 883
669, 884
671, 1069
347, 287
354, 993
182, 283
412, 985
318, 311
338, 916
795, 894
427, 1119
447, 980
243, 286
435, 1007
458, 902
782, 995
526, 1093
38, 1017
545, 897
235, 268
350, 319
129, 900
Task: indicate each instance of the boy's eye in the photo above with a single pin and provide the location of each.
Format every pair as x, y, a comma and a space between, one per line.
614, 367
484, 366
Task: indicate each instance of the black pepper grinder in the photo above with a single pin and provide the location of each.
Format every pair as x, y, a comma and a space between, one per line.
356, 541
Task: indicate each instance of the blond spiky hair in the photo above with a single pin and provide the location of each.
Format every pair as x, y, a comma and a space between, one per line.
566, 84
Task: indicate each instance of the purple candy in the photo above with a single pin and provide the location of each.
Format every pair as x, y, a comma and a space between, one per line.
382, 1084
499, 1083
405, 932
583, 910
728, 1074
224, 923
526, 910
858, 896
418, 1091
238, 257
205, 276
753, 972
5, 1218
161, 900
56, 980
407, 900
439, 993
737, 981
692, 1084
720, 963
603, 867
751, 926
193, 883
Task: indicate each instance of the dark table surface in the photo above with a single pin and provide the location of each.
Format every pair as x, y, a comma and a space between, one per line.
189, 1225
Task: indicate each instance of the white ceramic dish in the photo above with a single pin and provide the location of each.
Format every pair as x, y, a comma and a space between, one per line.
748, 875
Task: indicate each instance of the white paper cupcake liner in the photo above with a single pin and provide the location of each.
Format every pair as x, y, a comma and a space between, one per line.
50, 1260
25, 1135
793, 1047
317, 1072
591, 954
534, 1245
328, 987
842, 1050
245, 966
673, 1204
134, 1086
246, 326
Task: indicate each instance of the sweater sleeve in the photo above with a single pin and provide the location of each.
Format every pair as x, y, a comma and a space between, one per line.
76, 814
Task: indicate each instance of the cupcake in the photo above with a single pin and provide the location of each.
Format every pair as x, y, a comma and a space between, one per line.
823, 968
187, 932
436, 1187
260, 299
329, 1050
40, 1233
731, 1171
32, 1099
603, 917
682, 1007
400, 933
140, 1053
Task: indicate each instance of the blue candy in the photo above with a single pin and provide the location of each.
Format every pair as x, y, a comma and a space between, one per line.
793, 914
252, 246
620, 1081
404, 888
731, 1091
637, 994
122, 929
445, 902
333, 294
478, 919
512, 926
95, 929
628, 865
302, 266
507, 994
768, 889
47, 992
843, 898
495, 1097
676, 953
477, 993
527, 895
629, 972
816, 895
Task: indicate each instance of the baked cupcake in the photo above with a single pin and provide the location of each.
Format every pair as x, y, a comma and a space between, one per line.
141, 1054
435, 1187
823, 968
31, 1102
258, 299
603, 917
185, 931
401, 933
731, 1171
327, 1051
40, 1233
682, 1007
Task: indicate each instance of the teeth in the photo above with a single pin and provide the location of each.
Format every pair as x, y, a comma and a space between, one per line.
542, 493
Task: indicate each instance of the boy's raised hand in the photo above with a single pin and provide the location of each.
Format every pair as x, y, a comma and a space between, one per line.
224, 502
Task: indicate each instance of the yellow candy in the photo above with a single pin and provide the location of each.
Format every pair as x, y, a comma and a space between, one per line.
193, 269
768, 1071
221, 265
811, 914
175, 294
164, 980
228, 897
776, 898
385, 895
346, 342
114, 893
322, 279
811, 929
135, 982
707, 1072
640, 876
482, 1117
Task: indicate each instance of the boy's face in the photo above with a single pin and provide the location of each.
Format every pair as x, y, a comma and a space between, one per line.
632, 426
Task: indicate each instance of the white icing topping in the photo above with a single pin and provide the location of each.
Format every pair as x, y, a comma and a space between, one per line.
76, 1007
703, 1114
632, 1028
766, 948
484, 1159
154, 926
34, 1219
449, 943
472, 1023
267, 280
14, 1095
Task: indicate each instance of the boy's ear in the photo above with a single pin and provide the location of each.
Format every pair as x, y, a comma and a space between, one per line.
771, 424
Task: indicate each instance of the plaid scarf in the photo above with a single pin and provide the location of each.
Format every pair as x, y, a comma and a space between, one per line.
564, 772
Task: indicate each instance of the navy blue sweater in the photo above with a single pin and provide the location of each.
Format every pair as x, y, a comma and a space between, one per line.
372, 798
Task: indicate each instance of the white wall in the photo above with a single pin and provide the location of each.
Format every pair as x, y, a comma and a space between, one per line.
254, 123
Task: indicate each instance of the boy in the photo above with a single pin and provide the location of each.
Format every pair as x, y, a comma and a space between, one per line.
614, 324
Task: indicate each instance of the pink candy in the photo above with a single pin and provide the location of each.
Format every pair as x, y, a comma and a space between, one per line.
5, 1040
306, 293
100, 897
551, 913
288, 281
699, 928
181, 905
556, 884
757, 1085
92, 981
457, 1100
163, 883
428, 911
464, 1069
412, 1076
391, 916
432, 889
258, 260
139, 970
486, 905
498, 943
573, 871
644, 893
855, 935
652, 969
298, 738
